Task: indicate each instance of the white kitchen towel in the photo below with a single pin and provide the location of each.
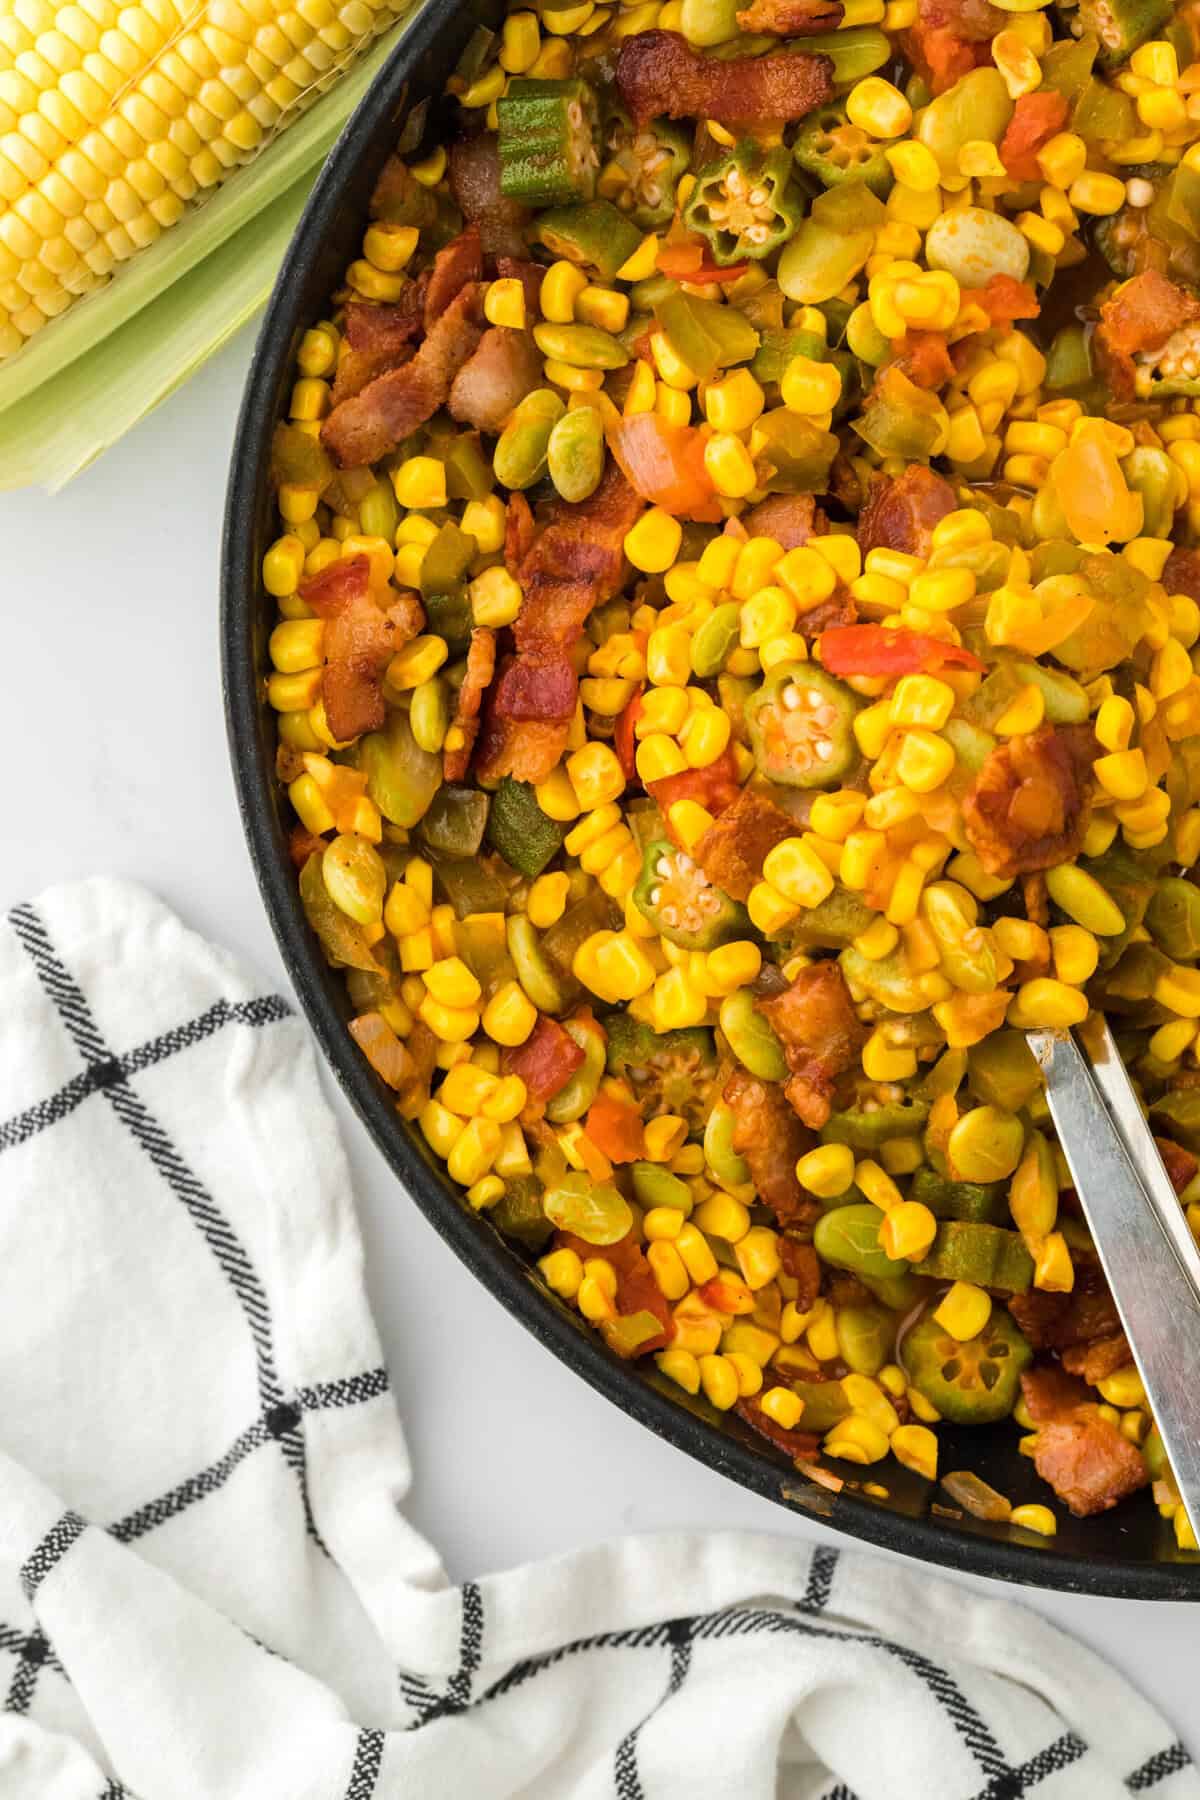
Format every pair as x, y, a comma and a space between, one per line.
207, 1587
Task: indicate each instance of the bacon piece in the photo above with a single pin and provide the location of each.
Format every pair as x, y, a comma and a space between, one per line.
1141, 315
734, 848
1035, 120
771, 1138
473, 165
372, 423
1096, 1362
821, 1036
527, 718
950, 38
481, 666
360, 640
791, 519
1087, 1462
1061, 1321
455, 265
546, 1060
383, 1049
1051, 1394
303, 843
924, 358
801, 1262
378, 338
658, 73
530, 276
506, 366
1179, 1163
519, 531
1181, 573
577, 562
791, 18
830, 615
1029, 806
801, 1446
902, 510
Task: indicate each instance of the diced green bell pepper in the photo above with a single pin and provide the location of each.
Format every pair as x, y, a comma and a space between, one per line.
981, 1202
901, 419
1003, 1071
801, 724
1173, 918
835, 922
643, 167
869, 1127
547, 141
971, 1383
455, 821
446, 561
985, 1255
675, 895
520, 830
448, 616
706, 335
471, 885
1069, 360
669, 1071
402, 779
518, 1213
593, 234
1177, 1115
777, 348
831, 148
795, 454
1103, 114
1067, 65
744, 205
340, 937
888, 979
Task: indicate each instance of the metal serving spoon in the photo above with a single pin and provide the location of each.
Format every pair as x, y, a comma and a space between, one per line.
1145, 1245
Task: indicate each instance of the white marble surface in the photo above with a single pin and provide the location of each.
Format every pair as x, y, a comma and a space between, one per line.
115, 761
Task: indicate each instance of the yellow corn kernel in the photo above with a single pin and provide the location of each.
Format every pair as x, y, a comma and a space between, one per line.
666, 1265
664, 1136
757, 1254
596, 775
440, 1128
826, 1171
283, 566
509, 1016
1052, 1269
1075, 953
1033, 1517
672, 404
659, 756
474, 1151
672, 369
884, 1061
297, 645
681, 1367
561, 287
1096, 194
1047, 1004
877, 1185
915, 1447
809, 387
878, 108
562, 1271
1115, 721
783, 1407
924, 760
794, 870
418, 661
857, 1440
821, 1332
653, 543
452, 983
486, 1191
548, 899
593, 1301
769, 911
1122, 774
495, 597
908, 1230
964, 1311
420, 482
923, 1408
719, 1380
705, 737
724, 1217
467, 1088
734, 402
698, 1258
642, 263
729, 465
915, 167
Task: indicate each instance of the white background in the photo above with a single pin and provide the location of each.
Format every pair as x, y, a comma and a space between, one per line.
114, 761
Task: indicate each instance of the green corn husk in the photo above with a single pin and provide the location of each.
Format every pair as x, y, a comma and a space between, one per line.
87, 379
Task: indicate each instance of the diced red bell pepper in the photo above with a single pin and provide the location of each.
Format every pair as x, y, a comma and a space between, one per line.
546, 1060
1035, 120
624, 740
615, 1127
664, 463
1005, 299
878, 650
687, 262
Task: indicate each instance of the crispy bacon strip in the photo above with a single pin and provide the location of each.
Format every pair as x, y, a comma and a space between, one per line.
456, 263
771, 1138
1060, 1321
1096, 1362
378, 338
372, 423
1050, 1393
821, 1036
1087, 1462
361, 637
481, 666
1029, 806
902, 510
519, 531
527, 718
1181, 573
791, 519
658, 73
791, 18
474, 170
506, 366
734, 848
1179, 1163
801, 1262
1141, 315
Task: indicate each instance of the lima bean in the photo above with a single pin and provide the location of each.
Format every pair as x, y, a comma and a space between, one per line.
520, 454
973, 245
849, 1239
818, 262
976, 109
655, 1186
582, 346
575, 453
533, 971
429, 714
714, 639
355, 878
729, 1168
865, 1336
708, 22
751, 1038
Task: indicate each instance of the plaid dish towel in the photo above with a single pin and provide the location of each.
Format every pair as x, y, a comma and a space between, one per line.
207, 1587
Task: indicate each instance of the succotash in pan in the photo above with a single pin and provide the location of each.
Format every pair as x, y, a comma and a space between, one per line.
709, 629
